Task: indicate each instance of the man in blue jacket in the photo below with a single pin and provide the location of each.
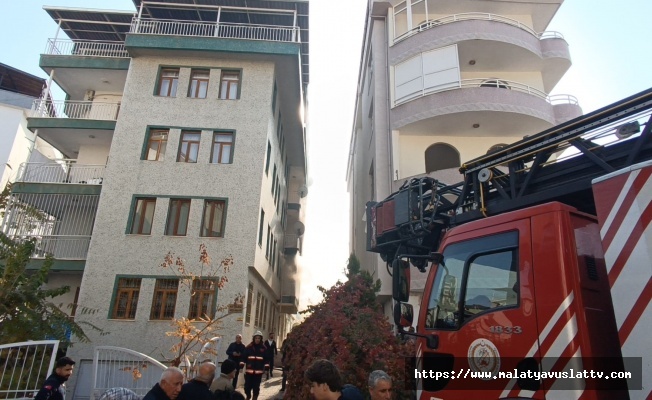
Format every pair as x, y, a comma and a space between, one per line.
54, 388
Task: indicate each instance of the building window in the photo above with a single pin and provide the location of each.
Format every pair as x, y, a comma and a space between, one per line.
264, 313
269, 154
274, 92
156, 144
189, 148
229, 85
222, 148
441, 156
201, 301
260, 227
198, 83
259, 305
126, 298
250, 297
141, 221
165, 299
178, 217
167, 85
213, 221
274, 181
269, 237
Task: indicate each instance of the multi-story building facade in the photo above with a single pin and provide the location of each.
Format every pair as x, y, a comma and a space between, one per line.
183, 125
443, 81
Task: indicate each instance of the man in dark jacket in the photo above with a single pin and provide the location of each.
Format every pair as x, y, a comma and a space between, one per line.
54, 388
271, 352
235, 352
198, 387
169, 386
255, 364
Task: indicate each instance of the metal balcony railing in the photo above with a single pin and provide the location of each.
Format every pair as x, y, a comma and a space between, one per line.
94, 48
431, 23
75, 109
272, 33
61, 171
491, 83
61, 247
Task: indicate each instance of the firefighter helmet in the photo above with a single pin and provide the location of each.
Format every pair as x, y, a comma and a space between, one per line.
258, 333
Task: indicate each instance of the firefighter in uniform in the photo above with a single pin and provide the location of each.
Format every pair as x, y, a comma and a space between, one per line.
54, 388
255, 363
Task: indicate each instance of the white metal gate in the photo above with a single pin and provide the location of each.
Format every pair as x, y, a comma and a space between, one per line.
25, 366
120, 367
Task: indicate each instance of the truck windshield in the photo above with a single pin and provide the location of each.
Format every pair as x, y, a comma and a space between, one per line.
483, 272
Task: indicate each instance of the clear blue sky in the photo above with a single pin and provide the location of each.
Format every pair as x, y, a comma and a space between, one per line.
609, 43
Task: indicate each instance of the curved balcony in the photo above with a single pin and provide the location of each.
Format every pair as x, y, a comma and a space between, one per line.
489, 42
486, 103
75, 110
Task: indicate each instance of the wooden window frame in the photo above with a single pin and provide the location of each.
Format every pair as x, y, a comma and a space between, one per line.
150, 140
177, 217
172, 88
198, 294
224, 93
220, 146
137, 225
210, 207
182, 141
250, 300
163, 313
197, 82
132, 292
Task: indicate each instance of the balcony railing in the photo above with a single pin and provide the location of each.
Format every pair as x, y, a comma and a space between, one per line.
61, 247
75, 109
491, 83
94, 48
272, 33
431, 23
61, 171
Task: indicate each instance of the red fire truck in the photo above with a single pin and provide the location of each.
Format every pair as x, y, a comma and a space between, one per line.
539, 264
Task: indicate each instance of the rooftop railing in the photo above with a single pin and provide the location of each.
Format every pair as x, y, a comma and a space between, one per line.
431, 23
94, 48
61, 171
272, 33
75, 109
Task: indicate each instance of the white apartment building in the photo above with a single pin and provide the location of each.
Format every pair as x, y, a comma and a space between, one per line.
445, 81
183, 124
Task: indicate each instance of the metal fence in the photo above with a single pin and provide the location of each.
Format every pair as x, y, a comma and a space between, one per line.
120, 367
95, 48
61, 171
75, 109
213, 29
24, 366
431, 23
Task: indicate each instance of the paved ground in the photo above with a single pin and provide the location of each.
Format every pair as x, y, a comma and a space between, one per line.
269, 389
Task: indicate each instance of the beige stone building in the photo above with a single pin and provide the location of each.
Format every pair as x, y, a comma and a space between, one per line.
442, 82
183, 125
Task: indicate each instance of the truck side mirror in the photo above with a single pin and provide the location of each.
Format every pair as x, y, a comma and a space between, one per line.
403, 314
401, 280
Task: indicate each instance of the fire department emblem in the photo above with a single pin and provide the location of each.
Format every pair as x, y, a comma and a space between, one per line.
484, 357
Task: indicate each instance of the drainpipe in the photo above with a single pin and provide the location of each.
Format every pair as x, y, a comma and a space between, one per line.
217, 22
294, 26
140, 14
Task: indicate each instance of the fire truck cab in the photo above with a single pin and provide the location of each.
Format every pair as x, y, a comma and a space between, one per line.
540, 271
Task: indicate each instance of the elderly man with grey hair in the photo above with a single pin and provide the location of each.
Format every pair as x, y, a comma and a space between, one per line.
380, 385
198, 387
169, 386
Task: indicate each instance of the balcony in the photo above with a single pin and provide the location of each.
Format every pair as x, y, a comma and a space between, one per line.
431, 23
75, 110
289, 305
223, 30
61, 171
86, 48
530, 109
60, 223
487, 43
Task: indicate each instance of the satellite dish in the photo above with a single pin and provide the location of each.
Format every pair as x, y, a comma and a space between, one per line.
299, 228
303, 191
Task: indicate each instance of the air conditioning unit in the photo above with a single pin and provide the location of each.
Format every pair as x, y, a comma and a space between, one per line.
89, 95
